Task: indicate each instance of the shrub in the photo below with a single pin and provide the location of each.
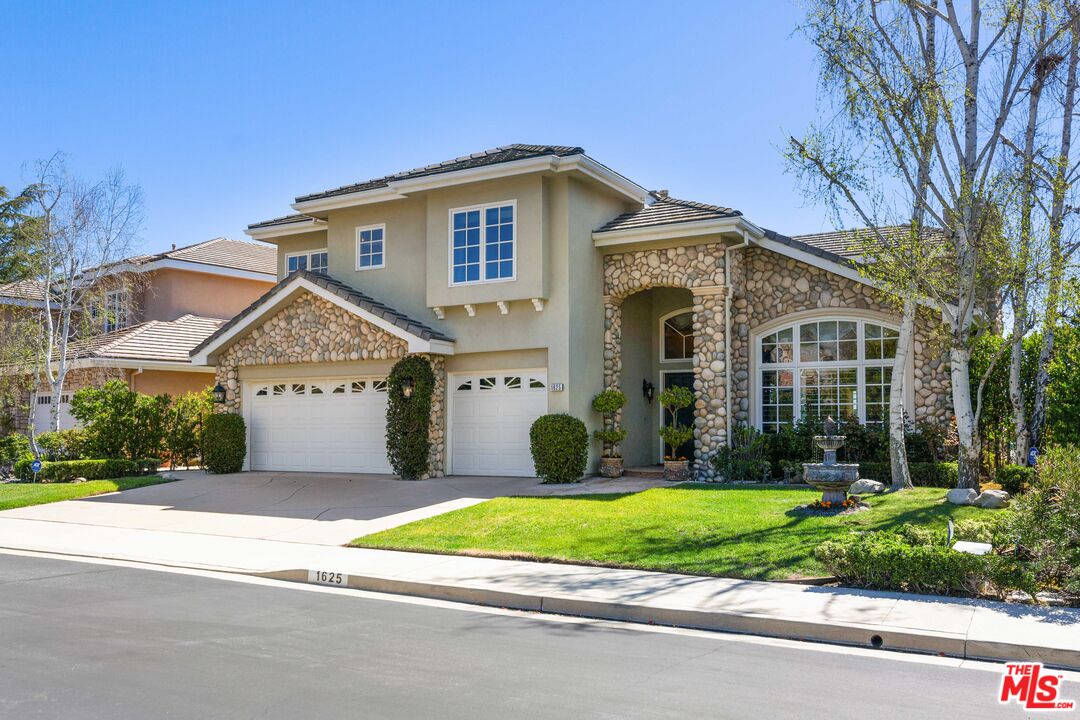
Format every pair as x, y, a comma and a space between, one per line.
183, 437
1014, 478
62, 444
408, 419
14, 447
224, 443
68, 470
744, 459
915, 560
119, 422
674, 399
928, 474
608, 403
560, 448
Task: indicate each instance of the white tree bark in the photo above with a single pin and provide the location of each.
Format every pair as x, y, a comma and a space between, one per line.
901, 475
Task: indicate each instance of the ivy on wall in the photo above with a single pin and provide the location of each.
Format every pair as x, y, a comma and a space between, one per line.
408, 419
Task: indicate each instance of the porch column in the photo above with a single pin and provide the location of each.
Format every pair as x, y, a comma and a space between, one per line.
710, 377
612, 342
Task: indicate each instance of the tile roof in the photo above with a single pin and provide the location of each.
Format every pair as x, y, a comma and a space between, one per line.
279, 221
152, 341
343, 291
506, 153
223, 252
668, 211
29, 290
838, 245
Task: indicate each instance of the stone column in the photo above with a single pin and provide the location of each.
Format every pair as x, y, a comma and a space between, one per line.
437, 429
710, 378
612, 342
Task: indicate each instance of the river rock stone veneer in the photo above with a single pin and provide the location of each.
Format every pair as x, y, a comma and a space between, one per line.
700, 269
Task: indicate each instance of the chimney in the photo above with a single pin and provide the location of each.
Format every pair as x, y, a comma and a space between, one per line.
174, 246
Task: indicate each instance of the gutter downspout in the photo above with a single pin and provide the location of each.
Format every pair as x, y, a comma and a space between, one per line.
131, 378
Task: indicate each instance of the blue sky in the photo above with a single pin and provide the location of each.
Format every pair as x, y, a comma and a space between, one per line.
224, 112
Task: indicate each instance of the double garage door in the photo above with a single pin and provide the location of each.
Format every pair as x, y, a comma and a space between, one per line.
339, 425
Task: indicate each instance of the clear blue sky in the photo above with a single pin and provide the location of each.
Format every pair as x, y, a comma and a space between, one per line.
225, 111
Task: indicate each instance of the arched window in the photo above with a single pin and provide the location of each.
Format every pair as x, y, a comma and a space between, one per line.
817, 368
678, 336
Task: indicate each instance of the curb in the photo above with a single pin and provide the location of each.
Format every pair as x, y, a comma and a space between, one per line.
851, 634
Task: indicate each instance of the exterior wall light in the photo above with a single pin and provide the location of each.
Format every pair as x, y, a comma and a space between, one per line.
407, 387
218, 394
647, 389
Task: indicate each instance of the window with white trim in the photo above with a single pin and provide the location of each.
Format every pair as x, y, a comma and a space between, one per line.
370, 249
817, 368
482, 244
114, 310
315, 260
678, 341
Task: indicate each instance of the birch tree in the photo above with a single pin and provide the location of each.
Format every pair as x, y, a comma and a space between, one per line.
897, 67
83, 230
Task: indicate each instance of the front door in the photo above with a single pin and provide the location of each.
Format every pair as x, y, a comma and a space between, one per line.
684, 416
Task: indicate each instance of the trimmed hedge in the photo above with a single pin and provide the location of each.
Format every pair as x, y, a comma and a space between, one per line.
1014, 479
224, 443
69, 470
408, 419
560, 447
923, 474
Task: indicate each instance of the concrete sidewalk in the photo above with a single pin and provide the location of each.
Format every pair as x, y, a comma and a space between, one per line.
938, 625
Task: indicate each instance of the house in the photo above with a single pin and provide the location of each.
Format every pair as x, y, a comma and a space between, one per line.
533, 277
145, 337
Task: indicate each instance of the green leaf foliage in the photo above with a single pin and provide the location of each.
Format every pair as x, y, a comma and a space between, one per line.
560, 448
1014, 479
224, 443
121, 423
69, 470
408, 419
608, 403
923, 474
183, 436
62, 444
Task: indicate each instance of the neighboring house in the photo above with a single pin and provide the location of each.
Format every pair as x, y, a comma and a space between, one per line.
533, 277
150, 326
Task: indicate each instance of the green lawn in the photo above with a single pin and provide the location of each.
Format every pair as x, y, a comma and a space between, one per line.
16, 495
697, 529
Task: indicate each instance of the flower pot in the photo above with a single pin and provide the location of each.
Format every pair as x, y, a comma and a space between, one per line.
611, 467
676, 470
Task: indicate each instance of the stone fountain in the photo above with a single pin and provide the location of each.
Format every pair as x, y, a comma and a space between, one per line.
831, 477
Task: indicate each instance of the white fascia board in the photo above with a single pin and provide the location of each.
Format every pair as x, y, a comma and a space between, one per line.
603, 175
171, 264
676, 230
134, 364
399, 189
22, 302
416, 343
293, 228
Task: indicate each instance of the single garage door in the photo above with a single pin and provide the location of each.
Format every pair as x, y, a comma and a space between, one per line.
319, 426
43, 413
490, 417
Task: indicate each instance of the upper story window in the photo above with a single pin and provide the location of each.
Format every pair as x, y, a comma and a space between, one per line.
679, 336
370, 248
313, 260
114, 311
818, 368
482, 243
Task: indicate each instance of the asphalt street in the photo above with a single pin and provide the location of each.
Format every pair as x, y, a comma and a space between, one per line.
81, 640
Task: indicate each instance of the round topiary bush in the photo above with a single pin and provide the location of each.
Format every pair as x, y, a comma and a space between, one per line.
560, 448
408, 419
224, 443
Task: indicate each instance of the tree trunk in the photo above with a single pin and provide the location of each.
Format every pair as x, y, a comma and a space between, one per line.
1016, 395
966, 428
901, 476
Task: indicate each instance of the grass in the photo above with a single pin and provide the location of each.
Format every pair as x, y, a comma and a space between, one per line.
695, 529
17, 495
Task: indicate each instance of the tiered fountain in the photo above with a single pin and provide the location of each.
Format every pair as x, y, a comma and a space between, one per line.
833, 479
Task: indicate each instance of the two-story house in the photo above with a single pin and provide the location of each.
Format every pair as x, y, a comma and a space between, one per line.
533, 277
163, 305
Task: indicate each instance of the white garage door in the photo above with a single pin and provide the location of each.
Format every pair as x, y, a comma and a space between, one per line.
43, 413
319, 425
490, 417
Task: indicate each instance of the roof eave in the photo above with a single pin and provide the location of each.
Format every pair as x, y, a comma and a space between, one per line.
284, 229
737, 225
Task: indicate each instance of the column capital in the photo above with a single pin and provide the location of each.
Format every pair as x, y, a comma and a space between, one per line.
612, 300
706, 290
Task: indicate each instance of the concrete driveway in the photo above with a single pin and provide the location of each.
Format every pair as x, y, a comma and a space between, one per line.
313, 508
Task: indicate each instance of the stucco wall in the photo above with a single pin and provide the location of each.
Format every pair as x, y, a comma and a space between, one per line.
156, 382
169, 294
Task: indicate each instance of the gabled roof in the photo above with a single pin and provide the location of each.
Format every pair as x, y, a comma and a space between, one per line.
361, 304
506, 153
152, 341
281, 221
667, 211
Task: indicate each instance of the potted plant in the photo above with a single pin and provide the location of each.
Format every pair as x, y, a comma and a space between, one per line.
608, 403
674, 399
